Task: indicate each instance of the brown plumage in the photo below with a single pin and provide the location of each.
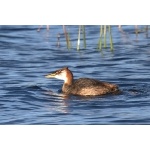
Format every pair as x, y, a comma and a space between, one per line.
82, 86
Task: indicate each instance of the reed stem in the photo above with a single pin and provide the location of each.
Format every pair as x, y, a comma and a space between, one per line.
110, 37
105, 36
78, 42
84, 36
67, 37
100, 39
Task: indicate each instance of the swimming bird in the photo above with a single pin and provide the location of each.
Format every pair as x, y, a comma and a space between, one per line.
82, 86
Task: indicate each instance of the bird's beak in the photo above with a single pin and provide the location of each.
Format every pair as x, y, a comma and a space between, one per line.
51, 75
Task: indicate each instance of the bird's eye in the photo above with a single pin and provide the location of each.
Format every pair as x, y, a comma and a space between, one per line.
61, 71
58, 72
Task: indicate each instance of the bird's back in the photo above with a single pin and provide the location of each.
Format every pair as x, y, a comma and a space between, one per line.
87, 86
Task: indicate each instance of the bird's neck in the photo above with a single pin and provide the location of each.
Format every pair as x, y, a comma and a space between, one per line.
69, 78
68, 81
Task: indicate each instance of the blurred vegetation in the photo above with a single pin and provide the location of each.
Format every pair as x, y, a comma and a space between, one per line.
105, 36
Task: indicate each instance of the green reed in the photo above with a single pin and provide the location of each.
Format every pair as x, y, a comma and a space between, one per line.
78, 41
103, 37
111, 39
81, 30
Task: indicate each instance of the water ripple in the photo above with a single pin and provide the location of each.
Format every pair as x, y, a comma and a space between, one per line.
26, 97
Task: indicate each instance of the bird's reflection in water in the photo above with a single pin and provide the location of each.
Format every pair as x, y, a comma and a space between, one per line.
60, 101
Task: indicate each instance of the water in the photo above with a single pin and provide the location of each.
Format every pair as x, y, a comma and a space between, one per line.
27, 97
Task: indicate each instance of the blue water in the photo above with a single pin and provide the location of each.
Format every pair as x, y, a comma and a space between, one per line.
27, 97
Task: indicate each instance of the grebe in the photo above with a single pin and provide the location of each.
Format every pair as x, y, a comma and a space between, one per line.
82, 86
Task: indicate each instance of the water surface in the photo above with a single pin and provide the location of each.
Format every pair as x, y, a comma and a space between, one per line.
27, 97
